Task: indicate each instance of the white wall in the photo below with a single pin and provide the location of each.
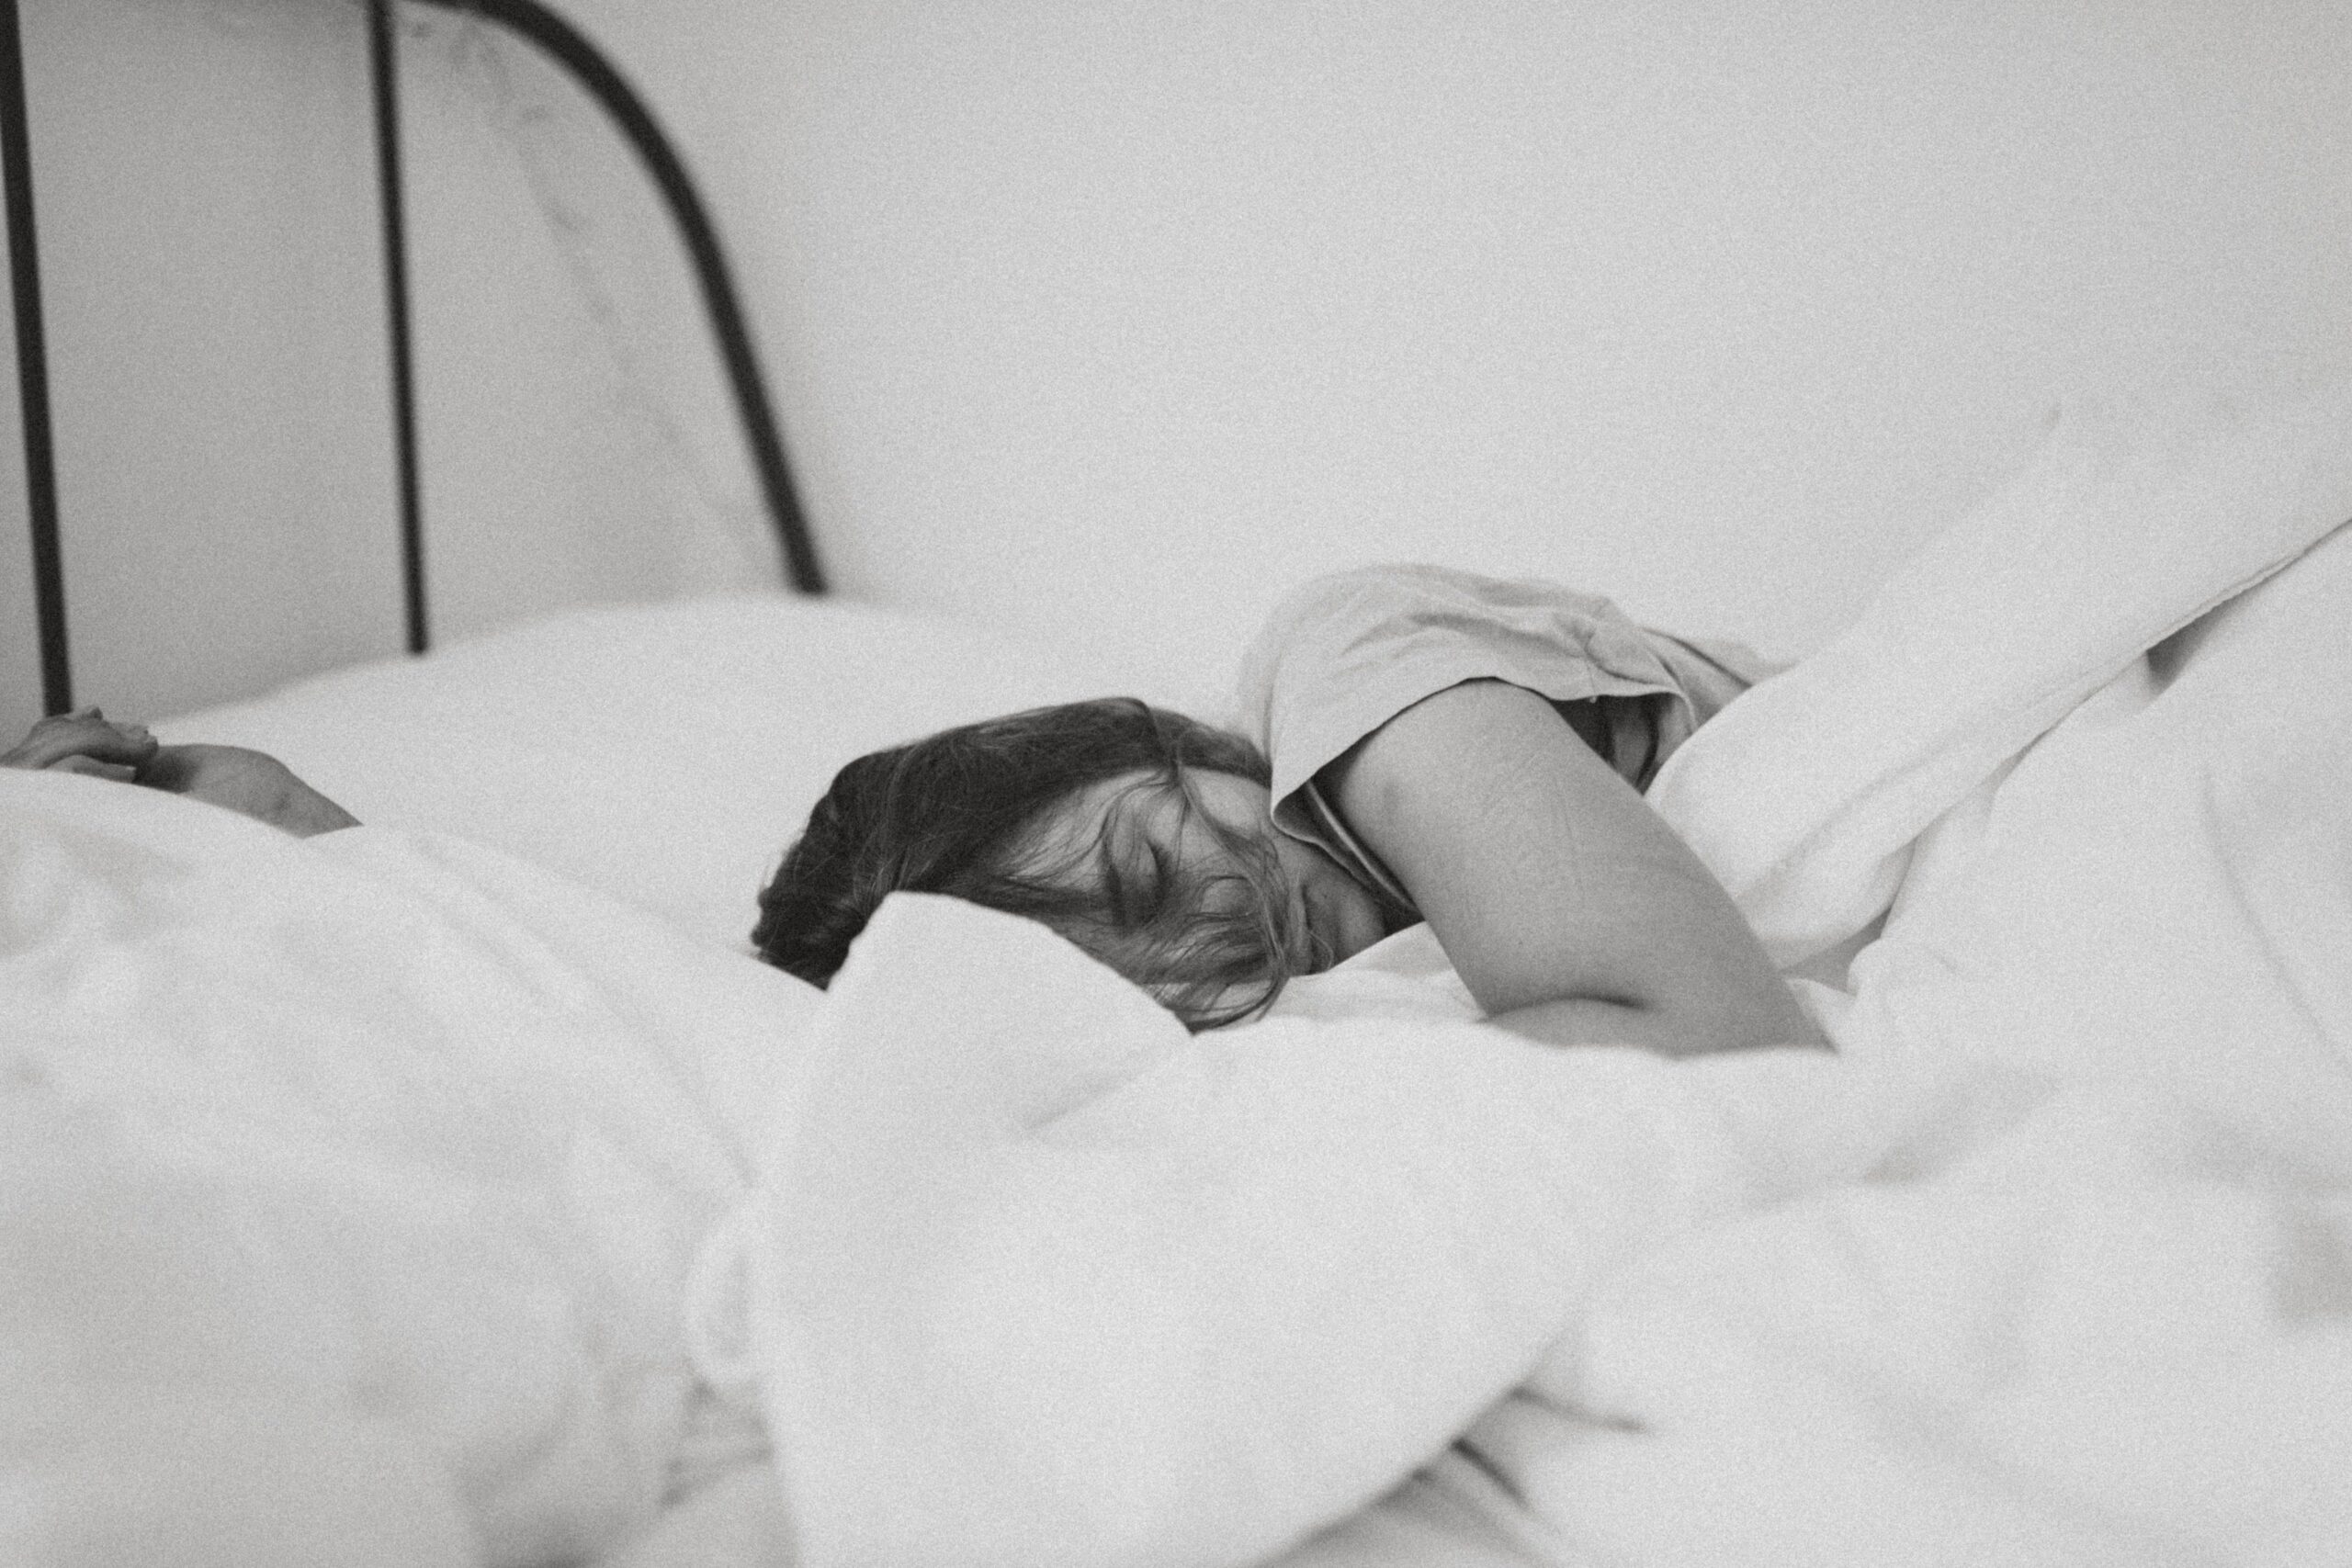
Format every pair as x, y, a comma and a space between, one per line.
204, 179
577, 441
1111, 318
1114, 317
194, 246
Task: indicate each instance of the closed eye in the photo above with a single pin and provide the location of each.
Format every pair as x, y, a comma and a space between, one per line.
1136, 896
1153, 894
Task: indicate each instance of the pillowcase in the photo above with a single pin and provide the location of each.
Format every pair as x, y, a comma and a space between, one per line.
661, 753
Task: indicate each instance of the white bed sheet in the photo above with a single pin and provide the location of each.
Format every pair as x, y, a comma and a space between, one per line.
660, 753
2052, 1265
643, 766
348, 1189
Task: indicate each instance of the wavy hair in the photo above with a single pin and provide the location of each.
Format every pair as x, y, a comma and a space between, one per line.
969, 813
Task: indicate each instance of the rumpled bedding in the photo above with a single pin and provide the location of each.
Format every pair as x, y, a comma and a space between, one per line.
1037, 1277
2051, 1263
381, 1199
348, 1189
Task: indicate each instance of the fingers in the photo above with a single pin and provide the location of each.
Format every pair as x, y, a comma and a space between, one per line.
84, 735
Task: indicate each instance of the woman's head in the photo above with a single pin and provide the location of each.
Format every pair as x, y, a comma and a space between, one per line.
1140, 834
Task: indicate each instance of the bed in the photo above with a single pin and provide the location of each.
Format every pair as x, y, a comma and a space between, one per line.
454, 1190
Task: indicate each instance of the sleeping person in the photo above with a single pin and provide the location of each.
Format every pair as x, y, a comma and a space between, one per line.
1412, 744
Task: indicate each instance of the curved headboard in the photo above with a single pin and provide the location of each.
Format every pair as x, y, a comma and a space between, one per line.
565, 43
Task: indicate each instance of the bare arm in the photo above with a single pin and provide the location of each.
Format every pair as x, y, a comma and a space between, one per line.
1570, 909
252, 783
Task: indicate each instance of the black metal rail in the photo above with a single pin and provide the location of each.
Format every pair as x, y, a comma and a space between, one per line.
392, 196
595, 73
588, 66
32, 370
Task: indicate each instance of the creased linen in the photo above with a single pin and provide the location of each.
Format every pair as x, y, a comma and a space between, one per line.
1037, 1277
348, 1189
2050, 1264
1805, 796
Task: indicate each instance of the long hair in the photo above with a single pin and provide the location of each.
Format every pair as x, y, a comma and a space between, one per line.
966, 812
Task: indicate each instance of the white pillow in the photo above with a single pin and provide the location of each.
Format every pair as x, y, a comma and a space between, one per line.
662, 753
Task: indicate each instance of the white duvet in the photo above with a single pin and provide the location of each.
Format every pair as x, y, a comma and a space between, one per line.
2051, 1264
347, 1191
380, 1199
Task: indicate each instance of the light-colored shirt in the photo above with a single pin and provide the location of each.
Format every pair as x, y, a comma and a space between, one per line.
1344, 654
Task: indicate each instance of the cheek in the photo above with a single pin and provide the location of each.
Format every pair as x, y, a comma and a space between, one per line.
1359, 922
1349, 917
1303, 867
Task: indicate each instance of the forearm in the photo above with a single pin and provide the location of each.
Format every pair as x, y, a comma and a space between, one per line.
1579, 1021
1570, 910
252, 783
1644, 948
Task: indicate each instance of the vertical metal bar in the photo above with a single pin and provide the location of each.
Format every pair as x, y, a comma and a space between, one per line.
384, 66
571, 49
32, 369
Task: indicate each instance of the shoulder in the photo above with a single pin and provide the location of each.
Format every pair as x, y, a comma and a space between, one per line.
1333, 622
1379, 613
1343, 610
1342, 653
1407, 587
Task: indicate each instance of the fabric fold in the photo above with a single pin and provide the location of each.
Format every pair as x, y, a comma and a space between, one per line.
1806, 795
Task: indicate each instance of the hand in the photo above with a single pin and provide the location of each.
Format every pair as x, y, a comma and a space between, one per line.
82, 741
253, 784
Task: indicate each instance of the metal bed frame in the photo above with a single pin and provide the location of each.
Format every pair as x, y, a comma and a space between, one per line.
562, 42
